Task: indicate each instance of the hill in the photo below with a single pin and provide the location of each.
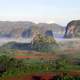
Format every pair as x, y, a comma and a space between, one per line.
26, 29
73, 29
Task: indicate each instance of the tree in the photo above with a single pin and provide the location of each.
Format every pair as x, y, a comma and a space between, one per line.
44, 43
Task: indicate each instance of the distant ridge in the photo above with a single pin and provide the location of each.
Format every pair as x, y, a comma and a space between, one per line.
16, 29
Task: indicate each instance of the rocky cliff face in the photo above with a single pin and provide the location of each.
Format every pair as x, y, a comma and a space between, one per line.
72, 29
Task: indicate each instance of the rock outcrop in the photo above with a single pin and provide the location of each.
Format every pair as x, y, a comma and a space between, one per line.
73, 29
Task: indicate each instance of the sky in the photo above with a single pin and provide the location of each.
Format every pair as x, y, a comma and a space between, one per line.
48, 11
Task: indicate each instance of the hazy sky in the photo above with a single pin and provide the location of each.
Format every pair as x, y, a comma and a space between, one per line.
58, 11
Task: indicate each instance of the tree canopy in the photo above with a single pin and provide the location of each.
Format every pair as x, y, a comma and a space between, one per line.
44, 43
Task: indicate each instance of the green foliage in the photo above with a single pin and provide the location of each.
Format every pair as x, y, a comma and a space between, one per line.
44, 44
14, 67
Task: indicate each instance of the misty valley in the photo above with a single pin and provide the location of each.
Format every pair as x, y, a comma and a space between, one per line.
30, 51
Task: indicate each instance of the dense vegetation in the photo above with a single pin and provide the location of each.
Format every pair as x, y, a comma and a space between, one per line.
11, 66
44, 43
